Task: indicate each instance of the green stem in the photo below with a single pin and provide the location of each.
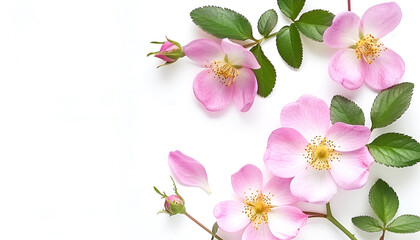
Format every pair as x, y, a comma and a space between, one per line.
260, 40
334, 221
202, 226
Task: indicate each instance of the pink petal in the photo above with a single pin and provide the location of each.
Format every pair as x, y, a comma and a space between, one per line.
230, 217
310, 116
211, 92
381, 19
385, 71
188, 171
247, 180
238, 55
351, 171
164, 58
348, 137
204, 51
262, 233
344, 32
286, 221
284, 154
315, 186
245, 88
346, 69
280, 189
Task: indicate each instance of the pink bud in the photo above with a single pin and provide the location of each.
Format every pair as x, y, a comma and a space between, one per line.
173, 204
188, 171
167, 47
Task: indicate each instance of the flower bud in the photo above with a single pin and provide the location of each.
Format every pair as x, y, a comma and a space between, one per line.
170, 51
174, 205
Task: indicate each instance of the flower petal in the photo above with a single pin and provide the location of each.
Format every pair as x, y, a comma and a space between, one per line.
204, 51
212, 93
188, 171
248, 179
385, 71
310, 116
346, 69
348, 137
315, 186
344, 31
280, 189
352, 169
244, 89
381, 19
238, 55
286, 221
284, 154
230, 217
262, 233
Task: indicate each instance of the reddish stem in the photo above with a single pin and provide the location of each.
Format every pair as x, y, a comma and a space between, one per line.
349, 5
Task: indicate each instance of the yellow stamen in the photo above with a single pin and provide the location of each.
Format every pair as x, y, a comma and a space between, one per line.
225, 72
320, 152
257, 207
369, 48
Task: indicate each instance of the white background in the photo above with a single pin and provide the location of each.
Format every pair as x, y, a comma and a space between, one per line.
87, 121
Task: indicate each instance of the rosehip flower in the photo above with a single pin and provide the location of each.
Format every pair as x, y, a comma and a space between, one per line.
264, 211
170, 51
315, 154
363, 57
228, 75
174, 205
188, 171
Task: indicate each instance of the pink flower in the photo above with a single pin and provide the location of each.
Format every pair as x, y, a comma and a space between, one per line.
188, 171
263, 211
228, 75
315, 154
363, 57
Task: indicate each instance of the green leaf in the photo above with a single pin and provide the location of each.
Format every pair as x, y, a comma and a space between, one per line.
390, 104
289, 45
214, 230
267, 22
314, 23
291, 8
405, 224
346, 111
383, 200
266, 75
222, 22
367, 223
395, 150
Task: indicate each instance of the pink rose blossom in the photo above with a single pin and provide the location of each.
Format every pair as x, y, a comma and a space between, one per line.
363, 57
264, 211
315, 154
228, 75
188, 171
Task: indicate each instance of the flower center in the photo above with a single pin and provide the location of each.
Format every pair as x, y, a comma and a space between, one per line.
257, 207
225, 72
369, 48
320, 152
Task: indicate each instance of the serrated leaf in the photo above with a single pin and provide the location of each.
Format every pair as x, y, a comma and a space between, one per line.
222, 22
214, 230
346, 111
267, 22
390, 104
383, 200
291, 8
395, 150
289, 45
367, 223
314, 23
405, 224
266, 75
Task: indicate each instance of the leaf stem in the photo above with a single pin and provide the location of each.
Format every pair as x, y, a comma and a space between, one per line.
349, 5
383, 235
315, 214
202, 226
334, 221
260, 40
